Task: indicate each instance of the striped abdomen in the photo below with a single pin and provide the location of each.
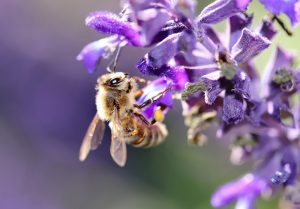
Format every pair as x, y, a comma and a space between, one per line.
146, 136
153, 135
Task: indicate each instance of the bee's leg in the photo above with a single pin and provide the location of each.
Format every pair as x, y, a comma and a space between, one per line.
139, 93
151, 100
138, 79
113, 63
142, 118
132, 133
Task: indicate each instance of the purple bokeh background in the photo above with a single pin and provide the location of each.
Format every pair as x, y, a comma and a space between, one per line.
47, 101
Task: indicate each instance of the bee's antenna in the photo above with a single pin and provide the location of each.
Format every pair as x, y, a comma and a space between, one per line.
108, 68
113, 63
116, 59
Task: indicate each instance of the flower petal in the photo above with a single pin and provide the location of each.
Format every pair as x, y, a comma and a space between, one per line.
213, 90
246, 202
212, 82
289, 163
92, 52
249, 184
236, 24
251, 71
248, 46
212, 34
185, 8
283, 6
110, 23
297, 9
282, 59
219, 10
152, 90
187, 43
241, 85
179, 77
233, 109
267, 29
209, 44
159, 56
139, 5
242, 4
171, 27
150, 16
279, 108
255, 113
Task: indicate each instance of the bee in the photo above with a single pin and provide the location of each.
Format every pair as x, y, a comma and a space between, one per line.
116, 104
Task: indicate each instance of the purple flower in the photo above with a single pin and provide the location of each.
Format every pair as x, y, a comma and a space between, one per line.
267, 29
248, 46
152, 90
236, 25
276, 166
159, 56
143, 23
272, 143
110, 23
281, 60
245, 190
282, 6
92, 53
123, 31
218, 82
219, 10
233, 64
140, 25
288, 7
179, 47
236, 94
280, 82
177, 75
150, 17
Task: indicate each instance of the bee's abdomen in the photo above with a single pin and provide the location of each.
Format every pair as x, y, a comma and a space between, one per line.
149, 136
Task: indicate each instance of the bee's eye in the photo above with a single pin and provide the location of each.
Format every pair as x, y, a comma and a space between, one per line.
114, 81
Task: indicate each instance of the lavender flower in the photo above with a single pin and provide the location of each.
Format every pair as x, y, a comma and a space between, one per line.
150, 91
273, 142
218, 83
246, 190
148, 22
179, 46
230, 78
290, 8
92, 52
145, 23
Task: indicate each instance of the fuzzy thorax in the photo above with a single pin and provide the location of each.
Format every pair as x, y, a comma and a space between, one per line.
113, 95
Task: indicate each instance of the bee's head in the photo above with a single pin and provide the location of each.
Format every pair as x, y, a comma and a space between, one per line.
115, 80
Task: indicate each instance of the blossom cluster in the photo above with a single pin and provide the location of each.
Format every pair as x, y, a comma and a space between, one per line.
218, 82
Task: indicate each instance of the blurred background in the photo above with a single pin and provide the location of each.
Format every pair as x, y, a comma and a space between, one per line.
47, 102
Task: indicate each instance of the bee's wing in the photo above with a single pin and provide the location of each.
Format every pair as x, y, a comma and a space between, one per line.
92, 138
118, 149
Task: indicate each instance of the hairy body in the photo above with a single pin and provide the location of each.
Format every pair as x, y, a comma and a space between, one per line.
115, 102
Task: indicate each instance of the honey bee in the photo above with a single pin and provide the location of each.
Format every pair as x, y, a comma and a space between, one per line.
116, 103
